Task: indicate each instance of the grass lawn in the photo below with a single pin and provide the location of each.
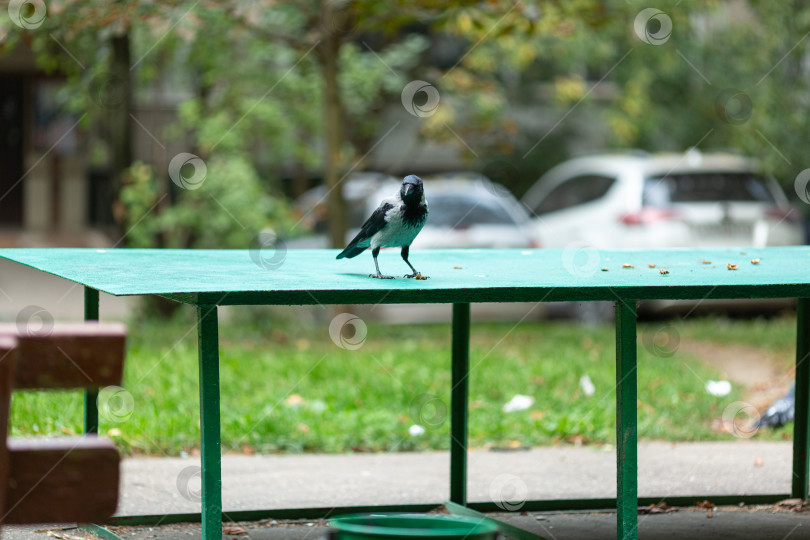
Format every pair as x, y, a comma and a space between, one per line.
286, 387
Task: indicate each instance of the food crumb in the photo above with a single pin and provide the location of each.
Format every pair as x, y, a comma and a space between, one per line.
754, 261
732, 266
651, 265
457, 267
605, 269
627, 265
664, 272
704, 261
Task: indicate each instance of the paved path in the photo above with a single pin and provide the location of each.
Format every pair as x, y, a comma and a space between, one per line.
171, 485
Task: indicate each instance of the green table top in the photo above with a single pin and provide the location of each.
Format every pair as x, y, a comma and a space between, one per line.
231, 277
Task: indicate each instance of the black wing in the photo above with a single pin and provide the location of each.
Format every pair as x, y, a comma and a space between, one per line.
374, 224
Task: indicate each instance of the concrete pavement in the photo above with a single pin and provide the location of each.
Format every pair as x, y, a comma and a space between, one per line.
171, 485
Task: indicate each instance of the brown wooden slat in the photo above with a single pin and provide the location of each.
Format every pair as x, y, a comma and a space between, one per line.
61, 480
7, 361
68, 355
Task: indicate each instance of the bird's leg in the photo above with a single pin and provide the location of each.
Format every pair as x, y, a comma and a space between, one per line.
374, 253
416, 274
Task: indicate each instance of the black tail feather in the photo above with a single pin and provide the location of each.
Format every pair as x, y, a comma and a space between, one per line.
351, 252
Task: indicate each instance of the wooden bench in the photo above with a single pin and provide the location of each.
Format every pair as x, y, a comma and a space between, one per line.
65, 479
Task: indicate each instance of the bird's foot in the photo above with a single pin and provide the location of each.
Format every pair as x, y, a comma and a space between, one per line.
380, 276
416, 275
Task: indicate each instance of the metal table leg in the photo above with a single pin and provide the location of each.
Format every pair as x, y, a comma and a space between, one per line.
626, 422
91, 395
208, 349
458, 403
801, 425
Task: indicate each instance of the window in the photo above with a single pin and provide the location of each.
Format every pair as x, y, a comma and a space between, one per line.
706, 187
577, 190
461, 211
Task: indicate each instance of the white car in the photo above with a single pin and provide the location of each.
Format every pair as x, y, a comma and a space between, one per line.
643, 201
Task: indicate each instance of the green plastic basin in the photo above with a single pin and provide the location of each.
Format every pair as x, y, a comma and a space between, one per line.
398, 526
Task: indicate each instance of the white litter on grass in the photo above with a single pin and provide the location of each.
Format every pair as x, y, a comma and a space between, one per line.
587, 386
416, 430
518, 403
718, 388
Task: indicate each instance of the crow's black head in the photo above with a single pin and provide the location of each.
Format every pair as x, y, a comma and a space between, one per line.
411, 189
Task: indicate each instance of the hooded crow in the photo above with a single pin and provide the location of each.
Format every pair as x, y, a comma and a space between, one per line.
395, 223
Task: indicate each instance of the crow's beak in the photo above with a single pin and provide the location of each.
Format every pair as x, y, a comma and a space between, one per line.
408, 189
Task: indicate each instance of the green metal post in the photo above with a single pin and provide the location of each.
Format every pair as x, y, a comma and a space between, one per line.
801, 424
90, 395
626, 422
458, 403
208, 349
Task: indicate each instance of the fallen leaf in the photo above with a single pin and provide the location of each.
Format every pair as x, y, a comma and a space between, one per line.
660, 508
234, 530
709, 515
293, 400
705, 504
247, 449
67, 431
732, 266
302, 344
537, 415
790, 503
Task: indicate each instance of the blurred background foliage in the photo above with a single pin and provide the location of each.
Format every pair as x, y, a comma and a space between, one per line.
272, 86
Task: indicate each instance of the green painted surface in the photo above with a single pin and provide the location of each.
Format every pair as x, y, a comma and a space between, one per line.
314, 276
509, 530
210, 442
459, 398
90, 396
626, 422
801, 424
